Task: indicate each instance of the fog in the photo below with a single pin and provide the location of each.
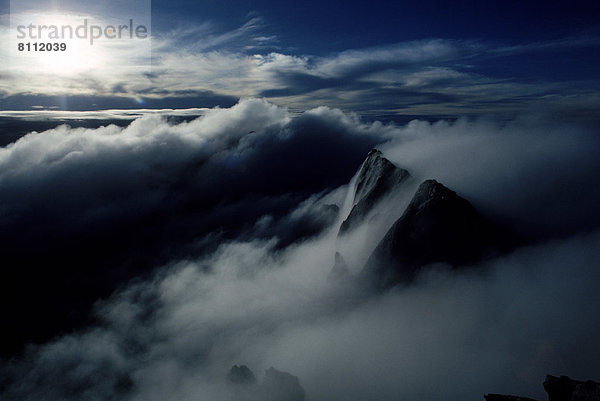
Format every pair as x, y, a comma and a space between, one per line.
533, 172
174, 331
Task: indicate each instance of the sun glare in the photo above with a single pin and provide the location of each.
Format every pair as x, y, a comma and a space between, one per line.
47, 43
70, 44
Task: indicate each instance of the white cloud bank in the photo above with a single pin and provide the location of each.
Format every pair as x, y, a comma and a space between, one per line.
175, 335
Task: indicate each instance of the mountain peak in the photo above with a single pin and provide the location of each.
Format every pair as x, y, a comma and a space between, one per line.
438, 226
377, 178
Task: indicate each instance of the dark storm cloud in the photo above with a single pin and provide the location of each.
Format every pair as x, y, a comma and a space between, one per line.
204, 199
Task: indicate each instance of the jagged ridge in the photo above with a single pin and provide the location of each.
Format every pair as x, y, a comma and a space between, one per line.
376, 179
438, 226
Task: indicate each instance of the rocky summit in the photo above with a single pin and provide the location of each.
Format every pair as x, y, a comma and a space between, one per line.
376, 179
438, 226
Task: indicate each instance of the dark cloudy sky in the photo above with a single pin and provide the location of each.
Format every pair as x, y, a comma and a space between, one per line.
383, 58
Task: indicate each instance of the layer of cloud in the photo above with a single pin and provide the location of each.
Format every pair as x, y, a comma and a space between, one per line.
449, 336
137, 195
535, 172
210, 201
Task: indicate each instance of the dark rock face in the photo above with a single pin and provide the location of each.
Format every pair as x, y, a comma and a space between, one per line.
339, 271
438, 226
276, 386
376, 179
566, 389
502, 397
281, 386
241, 375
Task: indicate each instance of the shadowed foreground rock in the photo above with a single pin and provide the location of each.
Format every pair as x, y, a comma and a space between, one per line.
566, 389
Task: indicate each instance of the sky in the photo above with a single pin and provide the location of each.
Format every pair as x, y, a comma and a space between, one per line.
173, 183
389, 59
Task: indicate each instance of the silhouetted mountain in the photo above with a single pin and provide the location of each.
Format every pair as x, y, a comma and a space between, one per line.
566, 389
438, 226
376, 179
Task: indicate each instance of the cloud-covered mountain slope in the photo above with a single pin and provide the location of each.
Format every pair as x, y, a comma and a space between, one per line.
438, 226
376, 179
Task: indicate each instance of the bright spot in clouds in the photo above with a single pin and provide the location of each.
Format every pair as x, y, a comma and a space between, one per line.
77, 43
79, 55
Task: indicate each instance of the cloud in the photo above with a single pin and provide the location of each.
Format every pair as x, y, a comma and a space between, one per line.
149, 98
457, 336
534, 171
451, 335
408, 54
245, 37
55, 115
196, 211
207, 65
164, 186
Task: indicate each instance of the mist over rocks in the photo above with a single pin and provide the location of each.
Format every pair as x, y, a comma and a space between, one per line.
532, 173
339, 271
241, 375
437, 227
275, 386
308, 220
376, 179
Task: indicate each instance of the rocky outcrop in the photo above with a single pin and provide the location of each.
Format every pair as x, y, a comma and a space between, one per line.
564, 388
438, 226
276, 386
241, 375
377, 178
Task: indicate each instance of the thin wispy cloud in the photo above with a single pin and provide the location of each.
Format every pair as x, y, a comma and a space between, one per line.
206, 64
